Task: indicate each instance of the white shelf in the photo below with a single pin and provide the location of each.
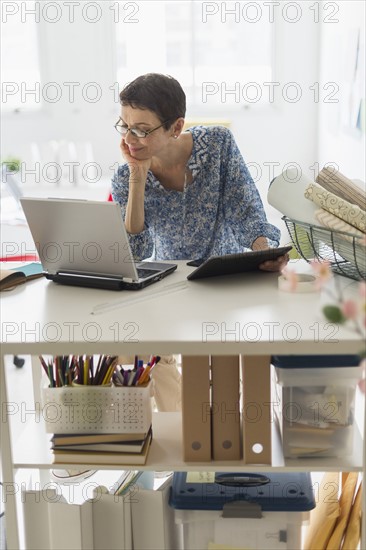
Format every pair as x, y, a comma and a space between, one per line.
215, 316
33, 451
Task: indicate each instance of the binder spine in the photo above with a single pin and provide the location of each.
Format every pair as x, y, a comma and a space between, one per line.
196, 408
226, 443
256, 417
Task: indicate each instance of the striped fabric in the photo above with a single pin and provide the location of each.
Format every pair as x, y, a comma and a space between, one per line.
346, 189
326, 219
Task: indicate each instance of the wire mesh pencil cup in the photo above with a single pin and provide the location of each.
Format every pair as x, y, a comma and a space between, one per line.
347, 256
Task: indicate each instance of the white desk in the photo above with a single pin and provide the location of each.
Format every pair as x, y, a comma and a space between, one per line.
232, 315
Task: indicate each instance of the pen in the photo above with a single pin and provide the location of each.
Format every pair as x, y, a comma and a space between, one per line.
140, 370
119, 375
61, 378
57, 371
50, 376
86, 370
43, 363
112, 365
131, 377
68, 372
144, 376
91, 369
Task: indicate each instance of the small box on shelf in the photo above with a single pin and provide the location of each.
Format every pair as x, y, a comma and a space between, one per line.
317, 412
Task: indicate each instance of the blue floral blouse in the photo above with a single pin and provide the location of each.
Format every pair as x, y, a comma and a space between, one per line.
220, 212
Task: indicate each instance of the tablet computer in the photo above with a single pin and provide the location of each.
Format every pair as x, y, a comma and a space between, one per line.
236, 263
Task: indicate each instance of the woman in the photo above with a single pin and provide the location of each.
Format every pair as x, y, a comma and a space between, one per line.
183, 195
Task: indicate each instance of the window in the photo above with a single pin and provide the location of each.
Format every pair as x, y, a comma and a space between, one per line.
20, 67
215, 49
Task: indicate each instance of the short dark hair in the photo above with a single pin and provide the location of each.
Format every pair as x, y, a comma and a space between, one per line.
159, 93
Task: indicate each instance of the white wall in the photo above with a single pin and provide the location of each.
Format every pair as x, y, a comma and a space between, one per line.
80, 53
269, 138
338, 142
83, 52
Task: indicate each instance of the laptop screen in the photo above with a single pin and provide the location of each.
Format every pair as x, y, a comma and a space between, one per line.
80, 235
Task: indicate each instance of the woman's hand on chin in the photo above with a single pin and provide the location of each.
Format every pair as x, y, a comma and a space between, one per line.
137, 166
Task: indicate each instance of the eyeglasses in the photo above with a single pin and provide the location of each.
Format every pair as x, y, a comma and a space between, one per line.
136, 132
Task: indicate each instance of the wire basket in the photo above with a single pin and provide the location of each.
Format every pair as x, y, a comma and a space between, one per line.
347, 256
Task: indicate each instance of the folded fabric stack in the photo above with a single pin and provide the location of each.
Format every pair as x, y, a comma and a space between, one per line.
343, 210
332, 222
337, 183
334, 202
340, 208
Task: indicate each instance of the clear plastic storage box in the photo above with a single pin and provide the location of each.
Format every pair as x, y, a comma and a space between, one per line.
317, 401
260, 511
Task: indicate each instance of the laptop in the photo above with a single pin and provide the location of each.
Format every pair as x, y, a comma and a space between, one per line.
85, 243
234, 263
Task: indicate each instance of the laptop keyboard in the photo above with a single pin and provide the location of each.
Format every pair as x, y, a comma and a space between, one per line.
143, 273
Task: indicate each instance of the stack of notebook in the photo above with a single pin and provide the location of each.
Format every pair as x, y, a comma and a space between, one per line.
116, 449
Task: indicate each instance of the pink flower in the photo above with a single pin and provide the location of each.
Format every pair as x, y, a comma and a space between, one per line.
322, 272
350, 309
291, 278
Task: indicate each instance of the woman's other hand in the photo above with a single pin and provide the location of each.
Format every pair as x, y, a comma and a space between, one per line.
278, 264
275, 265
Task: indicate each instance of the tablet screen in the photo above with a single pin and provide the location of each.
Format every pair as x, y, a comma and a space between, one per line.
236, 263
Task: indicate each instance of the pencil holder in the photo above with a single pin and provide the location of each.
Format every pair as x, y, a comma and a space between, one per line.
97, 409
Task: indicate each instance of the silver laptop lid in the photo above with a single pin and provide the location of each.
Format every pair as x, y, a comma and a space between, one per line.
80, 235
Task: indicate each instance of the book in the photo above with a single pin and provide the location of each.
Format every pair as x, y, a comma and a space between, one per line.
127, 447
83, 439
125, 481
111, 447
10, 278
102, 458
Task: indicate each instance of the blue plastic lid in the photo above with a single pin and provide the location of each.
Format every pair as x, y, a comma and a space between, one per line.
314, 361
271, 492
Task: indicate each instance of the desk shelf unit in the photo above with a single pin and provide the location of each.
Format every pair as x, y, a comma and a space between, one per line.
179, 330
33, 451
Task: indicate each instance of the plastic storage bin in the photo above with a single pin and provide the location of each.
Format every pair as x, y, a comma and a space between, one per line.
317, 403
97, 409
256, 511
